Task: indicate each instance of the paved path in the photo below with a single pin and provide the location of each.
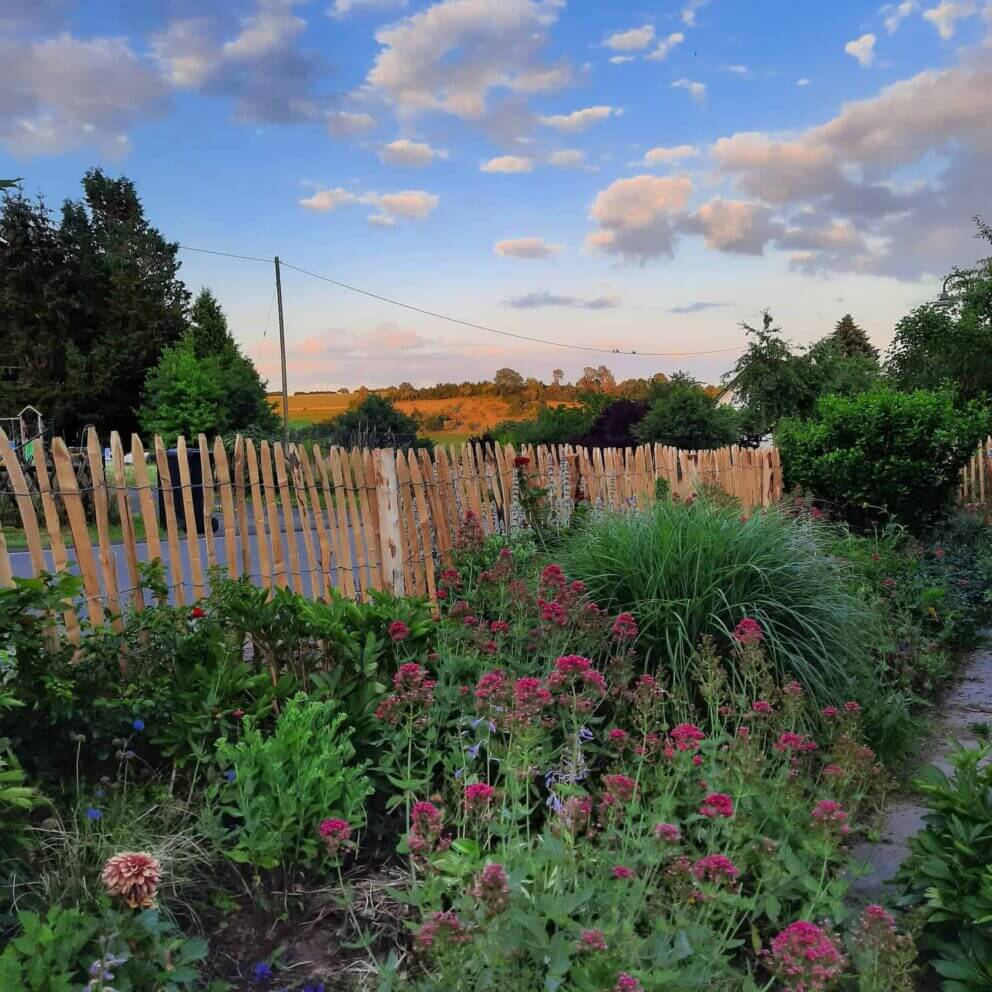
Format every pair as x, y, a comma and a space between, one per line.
968, 703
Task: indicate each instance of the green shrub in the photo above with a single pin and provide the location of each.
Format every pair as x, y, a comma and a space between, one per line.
282, 786
684, 415
45, 956
882, 454
686, 571
948, 870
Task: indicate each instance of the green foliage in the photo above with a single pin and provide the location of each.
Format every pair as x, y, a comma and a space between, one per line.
682, 414
46, 955
949, 870
882, 454
375, 422
686, 571
552, 425
287, 782
852, 339
87, 304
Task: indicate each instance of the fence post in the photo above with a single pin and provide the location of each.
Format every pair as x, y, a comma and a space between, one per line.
387, 494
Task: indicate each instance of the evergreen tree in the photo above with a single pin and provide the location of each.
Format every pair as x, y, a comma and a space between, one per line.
853, 340
208, 325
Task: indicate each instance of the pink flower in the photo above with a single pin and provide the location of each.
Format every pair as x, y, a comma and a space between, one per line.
798, 743
499, 627
335, 833
830, 816
491, 684
717, 804
471, 621
478, 796
852, 707
805, 958
521, 461
793, 689
592, 941
830, 712
624, 627
492, 889
715, 868
627, 983
451, 578
621, 786
668, 832
687, 736
398, 631
553, 612
832, 770
748, 632
622, 871
618, 738
443, 926
889, 582
761, 706
133, 877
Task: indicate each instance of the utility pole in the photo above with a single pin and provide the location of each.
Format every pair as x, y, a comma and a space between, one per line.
282, 356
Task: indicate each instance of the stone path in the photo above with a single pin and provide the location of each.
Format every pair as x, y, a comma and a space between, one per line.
966, 704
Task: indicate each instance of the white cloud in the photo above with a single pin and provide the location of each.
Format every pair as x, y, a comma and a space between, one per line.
508, 163
632, 40
526, 248
341, 8
689, 11
64, 93
737, 226
862, 49
579, 120
737, 70
403, 151
568, 158
944, 16
896, 13
452, 55
638, 217
802, 82
665, 45
412, 204
668, 156
621, 59
542, 298
346, 124
696, 90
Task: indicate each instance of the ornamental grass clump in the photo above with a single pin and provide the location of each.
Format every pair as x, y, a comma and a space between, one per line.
685, 571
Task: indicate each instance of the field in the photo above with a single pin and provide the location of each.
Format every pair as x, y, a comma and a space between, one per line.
466, 415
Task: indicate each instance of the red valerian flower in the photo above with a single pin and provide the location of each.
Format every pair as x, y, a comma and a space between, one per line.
687, 736
618, 738
748, 632
426, 830
798, 743
668, 832
829, 712
335, 833
478, 796
553, 612
575, 813
717, 804
831, 817
852, 707
715, 868
624, 627
443, 927
627, 983
621, 786
521, 461
592, 941
622, 872
499, 627
398, 631
451, 578
793, 689
492, 889
806, 958
762, 707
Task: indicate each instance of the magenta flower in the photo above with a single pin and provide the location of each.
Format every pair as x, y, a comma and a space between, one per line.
717, 804
852, 707
592, 941
335, 833
796, 743
624, 627
398, 631
478, 797
627, 983
748, 632
668, 832
622, 786
442, 927
831, 817
762, 706
715, 868
830, 712
806, 958
492, 889
622, 872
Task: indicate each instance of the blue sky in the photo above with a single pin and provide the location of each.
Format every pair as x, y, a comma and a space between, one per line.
640, 176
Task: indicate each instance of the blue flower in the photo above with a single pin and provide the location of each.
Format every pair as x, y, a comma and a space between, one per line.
138, 724
261, 972
231, 775
92, 813
317, 987
473, 751
585, 734
99, 793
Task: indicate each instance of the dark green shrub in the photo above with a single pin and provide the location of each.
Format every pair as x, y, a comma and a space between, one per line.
882, 454
684, 415
685, 571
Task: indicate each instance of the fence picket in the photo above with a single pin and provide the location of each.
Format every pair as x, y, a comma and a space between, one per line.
296, 576
265, 565
423, 510
279, 576
364, 471
101, 510
127, 521
413, 576
227, 507
296, 475
207, 495
146, 502
389, 520
346, 557
317, 512
24, 504
166, 488
189, 515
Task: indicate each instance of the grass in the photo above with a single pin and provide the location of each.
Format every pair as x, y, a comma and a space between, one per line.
687, 571
17, 541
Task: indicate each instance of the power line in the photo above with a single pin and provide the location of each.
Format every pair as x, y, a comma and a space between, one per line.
471, 324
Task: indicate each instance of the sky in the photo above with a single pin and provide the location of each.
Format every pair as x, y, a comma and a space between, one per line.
639, 177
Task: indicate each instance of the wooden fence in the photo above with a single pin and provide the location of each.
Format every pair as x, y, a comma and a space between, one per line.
313, 520
976, 476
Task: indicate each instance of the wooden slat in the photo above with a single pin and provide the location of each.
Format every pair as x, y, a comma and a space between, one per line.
101, 511
71, 499
296, 576
258, 504
127, 521
189, 513
471, 478
442, 532
25, 505
364, 469
54, 527
413, 576
6, 572
279, 574
227, 508
317, 513
146, 501
166, 487
448, 493
241, 507
207, 495
330, 471
313, 565
426, 530
389, 520
344, 489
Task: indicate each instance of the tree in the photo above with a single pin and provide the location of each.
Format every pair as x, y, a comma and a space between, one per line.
596, 380
374, 423
936, 346
557, 377
87, 305
208, 325
684, 415
852, 339
508, 382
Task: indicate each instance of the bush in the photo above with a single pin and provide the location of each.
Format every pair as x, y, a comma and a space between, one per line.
948, 869
373, 423
280, 787
882, 454
687, 571
685, 416
615, 426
